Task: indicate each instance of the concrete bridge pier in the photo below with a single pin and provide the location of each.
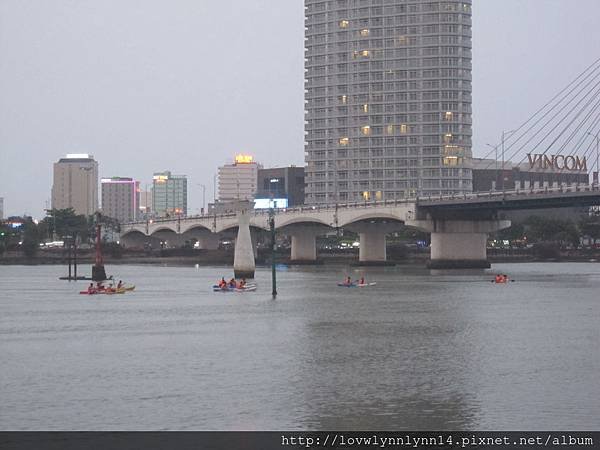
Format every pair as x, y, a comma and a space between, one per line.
304, 241
243, 260
304, 246
459, 244
372, 246
372, 236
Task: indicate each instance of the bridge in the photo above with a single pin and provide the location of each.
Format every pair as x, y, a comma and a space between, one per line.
459, 225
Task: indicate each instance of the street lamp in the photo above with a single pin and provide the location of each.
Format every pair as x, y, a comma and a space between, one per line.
272, 207
597, 169
495, 147
504, 133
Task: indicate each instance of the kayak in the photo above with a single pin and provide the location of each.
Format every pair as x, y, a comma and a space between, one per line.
106, 291
356, 284
116, 291
247, 288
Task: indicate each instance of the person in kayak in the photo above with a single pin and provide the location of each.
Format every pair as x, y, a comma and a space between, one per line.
222, 284
119, 284
362, 280
91, 289
242, 283
99, 286
232, 283
348, 281
500, 278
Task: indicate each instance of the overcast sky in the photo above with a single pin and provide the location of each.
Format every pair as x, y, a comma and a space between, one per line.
183, 85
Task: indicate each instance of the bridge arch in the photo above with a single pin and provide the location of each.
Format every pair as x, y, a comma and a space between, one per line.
291, 220
161, 228
135, 239
196, 227
367, 216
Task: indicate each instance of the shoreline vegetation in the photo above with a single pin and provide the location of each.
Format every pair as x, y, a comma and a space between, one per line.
396, 255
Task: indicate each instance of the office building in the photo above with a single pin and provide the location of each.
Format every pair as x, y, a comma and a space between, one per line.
75, 184
281, 183
238, 181
487, 176
169, 195
120, 198
145, 205
387, 99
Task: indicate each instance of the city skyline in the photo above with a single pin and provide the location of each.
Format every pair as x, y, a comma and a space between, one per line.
136, 99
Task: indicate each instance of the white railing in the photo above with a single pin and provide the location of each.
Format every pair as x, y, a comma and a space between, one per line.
378, 203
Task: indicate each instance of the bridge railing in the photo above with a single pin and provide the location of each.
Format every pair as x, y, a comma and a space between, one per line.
378, 203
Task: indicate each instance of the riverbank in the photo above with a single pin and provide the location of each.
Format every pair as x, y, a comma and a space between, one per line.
224, 257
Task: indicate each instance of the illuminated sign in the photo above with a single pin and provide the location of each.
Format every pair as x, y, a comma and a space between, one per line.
557, 162
117, 180
160, 178
266, 203
78, 156
243, 159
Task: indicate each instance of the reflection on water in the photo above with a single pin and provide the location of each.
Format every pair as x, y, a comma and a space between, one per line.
417, 351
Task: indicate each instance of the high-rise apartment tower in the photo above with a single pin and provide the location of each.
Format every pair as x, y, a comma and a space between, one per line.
388, 99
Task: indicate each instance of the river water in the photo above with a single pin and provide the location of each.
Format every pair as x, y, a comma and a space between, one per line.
449, 350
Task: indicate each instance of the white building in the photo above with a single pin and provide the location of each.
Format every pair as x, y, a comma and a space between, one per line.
238, 181
75, 184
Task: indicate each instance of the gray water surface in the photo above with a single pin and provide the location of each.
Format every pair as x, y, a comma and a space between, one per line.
418, 351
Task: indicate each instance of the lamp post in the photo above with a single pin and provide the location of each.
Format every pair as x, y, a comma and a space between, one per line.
597, 168
504, 133
272, 228
495, 147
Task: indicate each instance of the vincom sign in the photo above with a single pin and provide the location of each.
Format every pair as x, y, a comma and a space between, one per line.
557, 162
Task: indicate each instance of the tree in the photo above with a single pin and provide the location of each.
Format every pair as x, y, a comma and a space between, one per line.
31, 238
64, 222
542, 229
515, 232
590, 227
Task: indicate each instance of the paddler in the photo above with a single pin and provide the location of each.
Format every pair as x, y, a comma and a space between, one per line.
222, 283
232, 283
242, 283
91, 289
362, 280
348, 281
499, 278
119, 284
